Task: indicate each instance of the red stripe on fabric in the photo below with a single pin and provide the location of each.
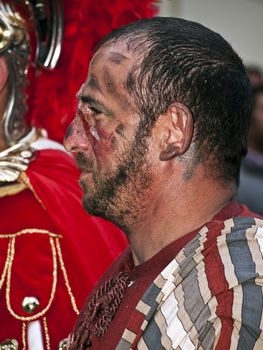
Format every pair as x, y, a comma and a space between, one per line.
135, 322
218, 285
224, 311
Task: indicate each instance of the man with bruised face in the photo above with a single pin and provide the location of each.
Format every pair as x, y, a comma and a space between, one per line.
159, 135
105, 126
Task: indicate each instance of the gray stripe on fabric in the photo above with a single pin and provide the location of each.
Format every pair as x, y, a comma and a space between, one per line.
149, 298
152, 336
240, 255
251, 316
186, 267
193, 301
207, 336
243, 222
245, 271
123, 345
194, 305
192, 246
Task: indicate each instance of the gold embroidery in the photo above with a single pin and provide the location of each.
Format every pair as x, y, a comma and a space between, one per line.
7, 272
23, 178
46, 333
9, 344
11, 189
63, 268
24, 335
7, 261
63, 344
8, 287
30, 231
17, 158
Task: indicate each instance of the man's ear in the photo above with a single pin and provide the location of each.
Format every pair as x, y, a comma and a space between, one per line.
176, 131
3, 73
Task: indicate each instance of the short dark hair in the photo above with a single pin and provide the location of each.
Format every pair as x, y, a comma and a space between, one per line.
183, 61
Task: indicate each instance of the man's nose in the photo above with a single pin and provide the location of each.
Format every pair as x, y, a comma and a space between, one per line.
75, 139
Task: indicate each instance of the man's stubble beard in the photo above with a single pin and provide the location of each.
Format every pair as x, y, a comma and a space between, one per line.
119, 196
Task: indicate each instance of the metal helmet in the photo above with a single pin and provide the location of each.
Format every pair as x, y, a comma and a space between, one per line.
31, 34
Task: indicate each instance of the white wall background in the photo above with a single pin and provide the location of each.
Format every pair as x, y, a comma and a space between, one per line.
240, 22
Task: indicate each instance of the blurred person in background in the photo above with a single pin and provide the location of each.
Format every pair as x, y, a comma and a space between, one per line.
255, 74
250, 190
51, 251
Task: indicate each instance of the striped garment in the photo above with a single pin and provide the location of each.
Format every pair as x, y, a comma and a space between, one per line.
208, 297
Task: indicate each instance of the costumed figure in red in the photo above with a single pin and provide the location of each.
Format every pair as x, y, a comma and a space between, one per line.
51, 251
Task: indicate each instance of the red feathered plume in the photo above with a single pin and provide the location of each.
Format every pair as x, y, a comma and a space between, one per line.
86, 22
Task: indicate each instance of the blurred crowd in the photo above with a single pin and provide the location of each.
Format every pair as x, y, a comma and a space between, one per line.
251, 175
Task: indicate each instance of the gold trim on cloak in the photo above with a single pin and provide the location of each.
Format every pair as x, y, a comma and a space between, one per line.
57, 257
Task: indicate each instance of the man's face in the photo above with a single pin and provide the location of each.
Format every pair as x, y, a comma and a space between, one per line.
105, 135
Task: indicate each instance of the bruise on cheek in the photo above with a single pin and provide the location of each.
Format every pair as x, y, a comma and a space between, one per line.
120, 129
91, 128
94, 133
106, 141
69, 132
113, 142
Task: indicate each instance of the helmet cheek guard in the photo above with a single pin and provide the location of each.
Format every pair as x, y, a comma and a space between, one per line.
31, 34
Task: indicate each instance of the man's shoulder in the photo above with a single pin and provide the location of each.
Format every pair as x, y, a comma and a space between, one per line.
208, 288
221, 256
235, 253
242, 237
240, 247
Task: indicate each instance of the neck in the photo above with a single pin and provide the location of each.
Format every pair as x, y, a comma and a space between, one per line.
174, 213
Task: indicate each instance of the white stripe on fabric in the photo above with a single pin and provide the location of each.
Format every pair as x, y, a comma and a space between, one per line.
186, 344
237, 315
259, 236
255, 249
229, 269
228, 225
261, 322
168, 274
175, 330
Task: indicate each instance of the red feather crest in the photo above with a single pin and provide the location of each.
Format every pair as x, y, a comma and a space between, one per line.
86, 22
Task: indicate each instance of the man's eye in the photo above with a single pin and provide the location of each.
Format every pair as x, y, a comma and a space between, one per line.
88, 111
94, 111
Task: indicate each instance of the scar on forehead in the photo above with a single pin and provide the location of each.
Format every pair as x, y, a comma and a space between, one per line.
97, 56
112, 89
117, 57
